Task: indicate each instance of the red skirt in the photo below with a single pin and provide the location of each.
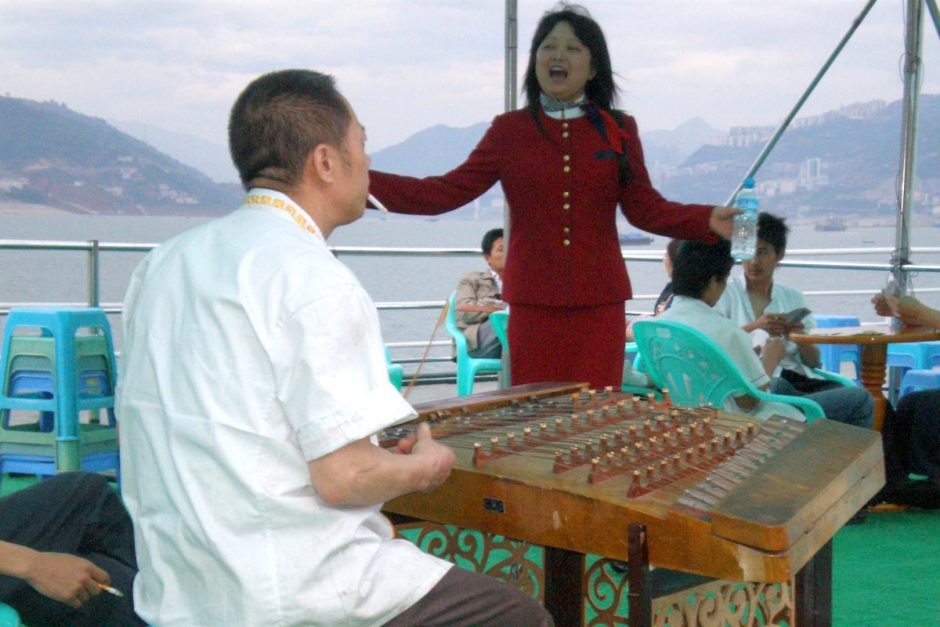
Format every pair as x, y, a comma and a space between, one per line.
577, 344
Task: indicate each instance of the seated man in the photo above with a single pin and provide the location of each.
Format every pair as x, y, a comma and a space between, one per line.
911, 433
699, 275
758, 303
253, 382
482, 288
63, 543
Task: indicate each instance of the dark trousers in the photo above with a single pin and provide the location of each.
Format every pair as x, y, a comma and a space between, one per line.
76, 513
911, 437
463, 597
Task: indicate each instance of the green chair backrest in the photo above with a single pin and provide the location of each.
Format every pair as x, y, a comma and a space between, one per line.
696, 371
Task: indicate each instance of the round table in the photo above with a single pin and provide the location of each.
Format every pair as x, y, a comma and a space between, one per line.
873, 342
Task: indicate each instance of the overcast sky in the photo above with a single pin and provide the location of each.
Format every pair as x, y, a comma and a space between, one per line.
409, 64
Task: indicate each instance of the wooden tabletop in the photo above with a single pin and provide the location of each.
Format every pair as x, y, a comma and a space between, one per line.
875, 334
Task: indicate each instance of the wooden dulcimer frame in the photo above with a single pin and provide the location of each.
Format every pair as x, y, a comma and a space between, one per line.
664, 470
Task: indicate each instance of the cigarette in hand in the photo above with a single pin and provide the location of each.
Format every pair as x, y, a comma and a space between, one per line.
378, 205
110, 590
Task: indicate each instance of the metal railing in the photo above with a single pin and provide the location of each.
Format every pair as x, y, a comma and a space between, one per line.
94, 248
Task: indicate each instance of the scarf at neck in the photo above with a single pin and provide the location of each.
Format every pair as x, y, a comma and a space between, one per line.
600, 119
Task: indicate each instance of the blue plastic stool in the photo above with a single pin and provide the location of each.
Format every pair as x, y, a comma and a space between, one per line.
917, 355
92, 383
832, 355
919, 380
70, 446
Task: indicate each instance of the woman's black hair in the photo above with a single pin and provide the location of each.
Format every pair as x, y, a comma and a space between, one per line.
600, 90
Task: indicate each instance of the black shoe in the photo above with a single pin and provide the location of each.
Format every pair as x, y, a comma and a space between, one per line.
922, 494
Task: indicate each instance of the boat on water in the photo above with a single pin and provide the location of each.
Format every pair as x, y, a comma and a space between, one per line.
634, 239
832, 223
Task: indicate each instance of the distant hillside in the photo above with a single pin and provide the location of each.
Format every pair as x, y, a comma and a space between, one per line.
207, 157
53, 156
840, 162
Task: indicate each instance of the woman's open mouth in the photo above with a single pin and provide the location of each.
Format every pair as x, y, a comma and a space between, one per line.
557, 72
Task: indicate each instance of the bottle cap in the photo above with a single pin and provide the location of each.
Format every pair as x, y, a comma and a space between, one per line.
749, 183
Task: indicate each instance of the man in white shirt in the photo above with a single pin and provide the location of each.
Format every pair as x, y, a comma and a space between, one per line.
253, 379
699, 275
482, 288
757, 303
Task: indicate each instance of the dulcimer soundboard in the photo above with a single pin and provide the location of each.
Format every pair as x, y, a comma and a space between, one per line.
722, 495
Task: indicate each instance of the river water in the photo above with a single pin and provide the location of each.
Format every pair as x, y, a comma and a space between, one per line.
31, 276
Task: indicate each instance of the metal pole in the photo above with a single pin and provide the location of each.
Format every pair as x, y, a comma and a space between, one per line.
512, 47
913, 44
935, 14
93, 284
512, 32
786, 122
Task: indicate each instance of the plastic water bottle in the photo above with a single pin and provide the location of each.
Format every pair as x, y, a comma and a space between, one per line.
744, 235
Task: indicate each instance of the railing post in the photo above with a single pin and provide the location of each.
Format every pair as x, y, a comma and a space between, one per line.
93, 295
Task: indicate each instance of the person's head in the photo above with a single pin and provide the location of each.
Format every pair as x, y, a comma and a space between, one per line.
569, 57
294, 125
493, 250
701, 270
669, 259
771, 246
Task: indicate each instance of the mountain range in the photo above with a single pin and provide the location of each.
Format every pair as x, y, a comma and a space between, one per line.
844, 161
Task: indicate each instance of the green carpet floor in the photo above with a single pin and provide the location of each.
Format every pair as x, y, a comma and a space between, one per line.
886, 571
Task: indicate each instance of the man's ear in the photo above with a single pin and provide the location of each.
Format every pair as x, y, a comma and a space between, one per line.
321, 163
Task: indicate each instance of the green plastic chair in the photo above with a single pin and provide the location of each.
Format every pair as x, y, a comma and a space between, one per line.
499, 320
697, 372
467, 367
395, 371
9, 616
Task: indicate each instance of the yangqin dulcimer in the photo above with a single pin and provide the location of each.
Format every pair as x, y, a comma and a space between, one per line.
721, 495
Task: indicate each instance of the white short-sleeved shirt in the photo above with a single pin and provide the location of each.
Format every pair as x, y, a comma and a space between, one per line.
249, 350
736, 343
736, 305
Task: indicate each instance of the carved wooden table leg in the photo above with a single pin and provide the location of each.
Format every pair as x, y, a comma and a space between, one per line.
874, 358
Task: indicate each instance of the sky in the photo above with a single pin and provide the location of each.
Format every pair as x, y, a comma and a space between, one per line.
406, 65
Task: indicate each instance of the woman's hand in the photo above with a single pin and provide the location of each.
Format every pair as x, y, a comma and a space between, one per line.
721, 221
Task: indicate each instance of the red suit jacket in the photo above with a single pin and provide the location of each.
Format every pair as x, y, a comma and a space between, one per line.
562, 186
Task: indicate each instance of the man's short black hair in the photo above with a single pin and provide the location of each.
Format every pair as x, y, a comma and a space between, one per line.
671, 248
279, 118
489, 239
773, 230
696, 263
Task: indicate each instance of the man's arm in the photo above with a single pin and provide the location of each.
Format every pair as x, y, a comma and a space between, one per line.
60, 576
362, 474
470, 291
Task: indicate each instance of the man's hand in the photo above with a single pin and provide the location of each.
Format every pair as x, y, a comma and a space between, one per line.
63, 577
721, 221
438, 460
774, 324
882, 308
914, 313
